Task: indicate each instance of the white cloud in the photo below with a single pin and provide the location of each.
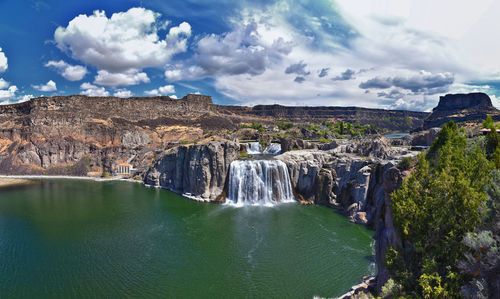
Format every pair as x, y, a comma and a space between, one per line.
130, 77
413, 33
123, 93
173, 75
3, 84
25, 98
91, 90
164, 90
241, 51
3, 61
122, 45
8, 93
68, 71
48, 87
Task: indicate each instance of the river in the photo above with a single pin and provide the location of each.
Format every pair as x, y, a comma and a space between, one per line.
85, 239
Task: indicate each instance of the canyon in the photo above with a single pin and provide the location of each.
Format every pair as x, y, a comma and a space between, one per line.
196, 148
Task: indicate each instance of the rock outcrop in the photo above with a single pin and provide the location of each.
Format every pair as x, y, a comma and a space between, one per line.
459, 108
198, 171
350, 177
423, 138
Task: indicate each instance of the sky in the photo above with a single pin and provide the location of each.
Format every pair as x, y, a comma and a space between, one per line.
390, 54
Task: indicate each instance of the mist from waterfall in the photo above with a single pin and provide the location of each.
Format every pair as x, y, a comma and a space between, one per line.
259, 182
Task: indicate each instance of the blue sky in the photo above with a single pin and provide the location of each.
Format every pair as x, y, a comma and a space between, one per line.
394, 54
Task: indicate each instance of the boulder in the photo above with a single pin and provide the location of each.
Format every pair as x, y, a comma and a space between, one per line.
423, 138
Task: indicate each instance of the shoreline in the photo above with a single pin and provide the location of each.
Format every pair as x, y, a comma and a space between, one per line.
87, 178
12, 182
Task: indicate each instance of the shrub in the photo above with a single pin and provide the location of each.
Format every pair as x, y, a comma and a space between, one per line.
406, 163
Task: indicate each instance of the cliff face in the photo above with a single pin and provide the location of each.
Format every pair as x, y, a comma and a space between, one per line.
199, 171
78, 134
51, 135
400, 120
459, 108
350, 176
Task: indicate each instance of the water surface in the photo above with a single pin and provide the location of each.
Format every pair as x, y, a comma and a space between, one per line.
84, 239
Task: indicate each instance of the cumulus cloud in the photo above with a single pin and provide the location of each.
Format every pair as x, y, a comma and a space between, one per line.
377, 82
91, 90
68, 71
8, 93
323, 72
393, 94
161, 91
297, 68
424, 82
130, 77
299, 79
241, 51
122, 45
346, 75
126, 40
3, 61
47, 87
123, 93
3, 84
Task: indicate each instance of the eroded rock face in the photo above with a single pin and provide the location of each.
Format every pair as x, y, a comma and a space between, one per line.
288, 144
199, 171
343, 179
424, 138
135, 139
386, 235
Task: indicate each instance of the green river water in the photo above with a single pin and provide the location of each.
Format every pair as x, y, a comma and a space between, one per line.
85, 239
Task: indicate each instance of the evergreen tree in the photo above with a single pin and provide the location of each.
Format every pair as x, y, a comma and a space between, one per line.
433, 210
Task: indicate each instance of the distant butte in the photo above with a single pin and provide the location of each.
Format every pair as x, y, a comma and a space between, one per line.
461, 107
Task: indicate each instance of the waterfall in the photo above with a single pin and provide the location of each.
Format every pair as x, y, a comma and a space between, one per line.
253, 148
259, 182
273, 149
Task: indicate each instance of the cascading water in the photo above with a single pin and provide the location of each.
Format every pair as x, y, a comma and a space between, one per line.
273, 149
258, 182
253, 148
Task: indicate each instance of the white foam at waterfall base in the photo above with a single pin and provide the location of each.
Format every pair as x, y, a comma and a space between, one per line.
273, 149
253, 148
258, 182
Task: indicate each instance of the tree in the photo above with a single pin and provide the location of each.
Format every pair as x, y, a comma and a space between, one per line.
433, 210
488, 123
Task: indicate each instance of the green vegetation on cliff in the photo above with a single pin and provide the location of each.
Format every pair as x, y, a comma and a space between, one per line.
439, 213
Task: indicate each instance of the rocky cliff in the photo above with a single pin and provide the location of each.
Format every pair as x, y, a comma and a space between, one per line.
198, 171
350, 176
79, 135
459, 108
